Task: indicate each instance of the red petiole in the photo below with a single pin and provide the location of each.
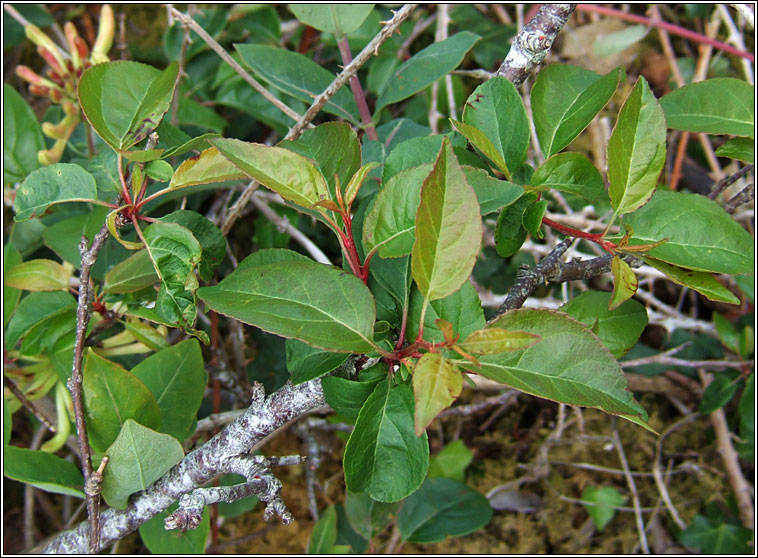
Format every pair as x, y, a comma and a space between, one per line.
597, 238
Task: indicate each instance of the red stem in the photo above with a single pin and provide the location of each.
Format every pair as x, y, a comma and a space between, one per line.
355, 86
597, 238
124, 187
670, 27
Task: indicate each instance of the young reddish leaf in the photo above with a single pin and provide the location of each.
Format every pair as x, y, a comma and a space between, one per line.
446, 328
110, 221
448, 229
351, 190
493, 340
624, 283
436, 384
207, 167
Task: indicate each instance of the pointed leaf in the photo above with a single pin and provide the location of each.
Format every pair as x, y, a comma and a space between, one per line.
448, 229
34, 309
383, 457
39, 275
496, 109
462, 309
347, 397
510, 233
206, 168
288, 174
390, 225
742, 149
569, 365
425, 67
493, 340
125, 101
42, 470
22, 137
437, 382
318, 304
717, 537
491, 193
58, 183
701, 235
337, 19
636, 150
138, 457
479, 139
324, 532
209, 236
134, 273
565, 99
624, 283
713, 106
367, 516
111, 396
352, 188
700, 281
305, 363
572, 173
601, 503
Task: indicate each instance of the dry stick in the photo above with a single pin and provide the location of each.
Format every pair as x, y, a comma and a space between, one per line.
532, 43
443, 22
746, 195
727, 181
735, 37
632, 487
26, 402
211, 42
181, 73
741, 488
91, 489
421, 26
671, 361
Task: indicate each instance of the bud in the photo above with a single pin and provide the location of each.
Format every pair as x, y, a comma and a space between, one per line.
52, 155
40, 90
105, 33
56, 131
81, 48
39, 38
70, 108
58, 65
27, 74
71, 35
56, 96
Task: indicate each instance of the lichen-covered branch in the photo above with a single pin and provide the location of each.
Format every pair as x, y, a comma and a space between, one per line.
265, 415
533, 42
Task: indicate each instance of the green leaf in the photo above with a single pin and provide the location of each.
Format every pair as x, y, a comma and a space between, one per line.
345, 532
569, 365
437, 382
718, 393
146, 335
39, 275
318, 304
618, 329
209, 236
298, 76
305, 363
742, 149
618, 41
493, 340
532, 218
112, 395
448, 229
34, 309
285, 172
451, 462
46, 333
184, 144
347, 397
636, 150
495, 108
192, 113
713, 106
624, 283
58, 183
324, 532
159, 170
442, 508
22, 137
425, 67
367, 516
702, 282
138, 457
746, 412
510, 233
717, 537
727, 332
42, 470
601, 503
271, 255
134, 273
479, 139
701, 235
161, 541
174, 252
337, 19
7, 423
125, 101
333, 147
176, 377
491, 193
11, 296
462, 309
572, 173
390, 224
565, 99
383, 457
208, 167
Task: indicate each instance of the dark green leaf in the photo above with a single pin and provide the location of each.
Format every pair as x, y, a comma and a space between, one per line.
565, 99
367, 516
742, 149
347, 397
138, 457
347, 535
570, 172
491, 192
713, 106
442, 508
510, 233
716, 537
34, 309
176, 377
209, 235
192, 113
700, 281
426, 67
112, 395
11, 296
384, 458
305, 363
701, 235
42, 470
58, 183
134, 273
718, 393
320, 305
159, 170
532, 218
22, 137
338, 19
161, 541
618, 329
462, 309
324, 532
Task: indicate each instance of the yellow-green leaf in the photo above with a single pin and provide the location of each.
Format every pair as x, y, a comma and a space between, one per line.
624, 282
493, 340
436, 384
39, 275
207, 167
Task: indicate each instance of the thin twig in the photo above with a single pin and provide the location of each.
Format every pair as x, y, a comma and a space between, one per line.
421, 25
26, 402
746, 195
632, 487
727, 181
671, 361
211, 42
